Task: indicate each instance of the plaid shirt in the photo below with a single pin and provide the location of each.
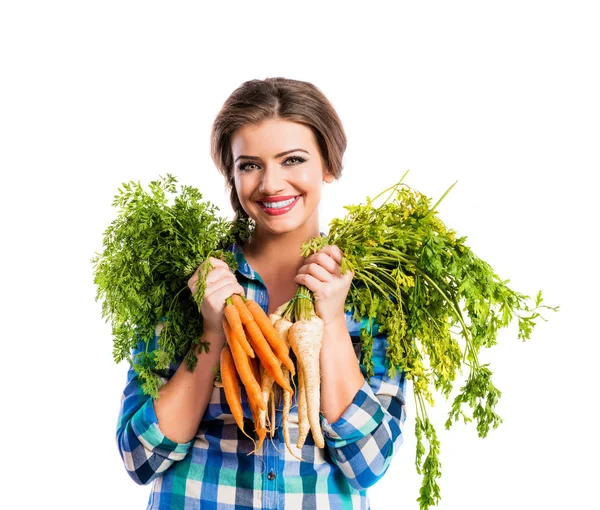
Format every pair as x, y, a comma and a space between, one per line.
214, 470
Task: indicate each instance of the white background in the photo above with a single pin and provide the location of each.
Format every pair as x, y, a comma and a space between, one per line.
503, 98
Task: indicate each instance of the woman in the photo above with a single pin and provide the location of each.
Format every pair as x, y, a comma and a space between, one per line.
276, 141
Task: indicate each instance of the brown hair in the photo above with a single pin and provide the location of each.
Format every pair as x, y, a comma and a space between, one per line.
277, 98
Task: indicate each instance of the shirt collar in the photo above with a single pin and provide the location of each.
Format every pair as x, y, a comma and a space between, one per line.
243, 266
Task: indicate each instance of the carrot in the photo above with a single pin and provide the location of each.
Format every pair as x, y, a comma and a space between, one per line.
305, 337
261, 432
233, 319
231, 387
266, 356
242, 364
238, 302
271, 334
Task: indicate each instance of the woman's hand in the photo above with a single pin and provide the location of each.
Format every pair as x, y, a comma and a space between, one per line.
321, 273
220, 284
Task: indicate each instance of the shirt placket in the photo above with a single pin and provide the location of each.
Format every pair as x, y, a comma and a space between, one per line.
270, 476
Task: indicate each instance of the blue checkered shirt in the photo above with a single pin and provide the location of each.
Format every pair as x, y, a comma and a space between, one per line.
214, 470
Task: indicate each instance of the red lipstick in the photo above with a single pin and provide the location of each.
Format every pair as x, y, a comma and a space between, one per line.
277, 211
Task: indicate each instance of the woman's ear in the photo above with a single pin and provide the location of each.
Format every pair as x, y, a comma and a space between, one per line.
328, 178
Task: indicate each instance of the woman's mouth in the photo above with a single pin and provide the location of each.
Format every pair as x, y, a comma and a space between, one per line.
276, 208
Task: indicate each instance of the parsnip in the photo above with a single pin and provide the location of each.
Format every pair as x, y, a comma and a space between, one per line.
305, 337
282, 326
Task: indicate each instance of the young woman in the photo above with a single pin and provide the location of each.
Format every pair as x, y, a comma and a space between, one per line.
277, 142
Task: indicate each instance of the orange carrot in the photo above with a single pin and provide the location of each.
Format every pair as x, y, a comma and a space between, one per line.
231, 386
242, 309
243, 366
270, 333
233, 319
261, 432
266, 356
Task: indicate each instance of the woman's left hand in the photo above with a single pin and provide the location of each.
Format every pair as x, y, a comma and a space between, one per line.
321, 273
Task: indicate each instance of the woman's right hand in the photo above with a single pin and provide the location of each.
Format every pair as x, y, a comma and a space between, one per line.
220, 284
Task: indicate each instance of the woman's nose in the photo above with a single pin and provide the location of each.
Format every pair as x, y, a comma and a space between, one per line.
271, 181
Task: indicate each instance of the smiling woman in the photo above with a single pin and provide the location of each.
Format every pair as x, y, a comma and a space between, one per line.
277, 142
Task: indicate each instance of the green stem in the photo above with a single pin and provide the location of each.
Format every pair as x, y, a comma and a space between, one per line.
386, 274
455, 308
286, 310
366, 279
303, 304
390, 188
394, 255
175, 297
421, 405
431, 211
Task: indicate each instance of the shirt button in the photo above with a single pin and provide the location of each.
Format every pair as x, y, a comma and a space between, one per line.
271, 475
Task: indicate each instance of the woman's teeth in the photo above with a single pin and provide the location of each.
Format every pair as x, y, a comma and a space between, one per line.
278, 205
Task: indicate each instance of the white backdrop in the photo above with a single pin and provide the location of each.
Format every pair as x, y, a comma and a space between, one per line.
503, 98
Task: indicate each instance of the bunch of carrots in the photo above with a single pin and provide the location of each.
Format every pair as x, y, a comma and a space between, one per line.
257, 353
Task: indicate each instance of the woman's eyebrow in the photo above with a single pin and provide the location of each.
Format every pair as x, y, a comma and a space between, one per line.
276, 155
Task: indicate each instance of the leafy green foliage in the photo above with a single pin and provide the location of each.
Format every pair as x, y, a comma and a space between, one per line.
438, 302
151, 249
431, 467
217, 373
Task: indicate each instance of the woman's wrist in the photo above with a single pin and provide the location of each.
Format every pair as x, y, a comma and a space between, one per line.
333, 327
215, 339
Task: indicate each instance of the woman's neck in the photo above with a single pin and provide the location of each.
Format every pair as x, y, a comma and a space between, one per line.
279, 253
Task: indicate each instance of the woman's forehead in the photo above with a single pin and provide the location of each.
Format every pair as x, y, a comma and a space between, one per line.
271, 137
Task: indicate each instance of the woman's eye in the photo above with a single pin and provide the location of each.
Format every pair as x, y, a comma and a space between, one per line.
297, 158
244, 166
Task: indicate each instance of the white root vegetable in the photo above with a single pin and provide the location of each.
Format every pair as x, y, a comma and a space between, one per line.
306, 337
266, 385
287, 406
272, 424
303, 425
282, 326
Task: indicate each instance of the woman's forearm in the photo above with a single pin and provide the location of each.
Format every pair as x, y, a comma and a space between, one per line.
341, 377
183, 399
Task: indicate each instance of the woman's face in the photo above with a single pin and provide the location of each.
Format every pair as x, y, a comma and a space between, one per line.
278, 174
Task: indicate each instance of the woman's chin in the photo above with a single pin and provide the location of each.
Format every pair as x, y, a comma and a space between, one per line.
280, 226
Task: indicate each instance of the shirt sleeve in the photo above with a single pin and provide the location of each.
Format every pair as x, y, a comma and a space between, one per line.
145, 450
363, 441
